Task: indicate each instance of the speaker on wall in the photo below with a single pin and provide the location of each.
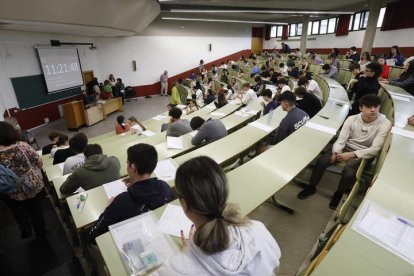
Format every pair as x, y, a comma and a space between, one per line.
134, 65
210, 47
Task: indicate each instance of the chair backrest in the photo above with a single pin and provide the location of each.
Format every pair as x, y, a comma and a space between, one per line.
347, 77
312, 68
323, 85
318, 69
187, 82
341, 76
183, 92
395, 72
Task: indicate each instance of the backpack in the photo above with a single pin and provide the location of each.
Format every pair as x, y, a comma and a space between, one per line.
8, 180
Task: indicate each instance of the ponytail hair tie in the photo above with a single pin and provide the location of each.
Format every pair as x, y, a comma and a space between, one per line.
216, 215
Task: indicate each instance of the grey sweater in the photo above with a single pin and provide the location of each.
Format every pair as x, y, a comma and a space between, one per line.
210, 131
179, 128
365, 139
98, 169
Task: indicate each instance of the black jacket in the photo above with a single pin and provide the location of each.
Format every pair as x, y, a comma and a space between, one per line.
63, 154
140, 197
310, 104
364, 87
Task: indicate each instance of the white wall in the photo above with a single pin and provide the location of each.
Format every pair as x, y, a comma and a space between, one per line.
18, 58
402, 38
172, 45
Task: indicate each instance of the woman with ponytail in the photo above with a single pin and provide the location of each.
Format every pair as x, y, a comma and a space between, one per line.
222, 241
121, 126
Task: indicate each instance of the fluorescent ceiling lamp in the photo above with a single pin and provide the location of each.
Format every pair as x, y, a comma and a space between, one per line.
222, 20
262, 11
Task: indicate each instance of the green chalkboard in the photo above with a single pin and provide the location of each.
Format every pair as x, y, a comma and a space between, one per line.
31, 91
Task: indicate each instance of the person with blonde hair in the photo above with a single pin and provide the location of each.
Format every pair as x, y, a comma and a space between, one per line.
222, 241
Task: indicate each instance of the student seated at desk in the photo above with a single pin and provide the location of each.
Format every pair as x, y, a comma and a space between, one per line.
221, 100
329, 71
98, 169
53, 136
248, 94
406, 79
294, 119
222, 241
177, 126
76, 145
121, 126
307, 101
210, 97
361, 137
77, 160
311, 87
62, 143
191, 107
136, 126
208, 131
144, 193
281, 86
367, 84
269, 102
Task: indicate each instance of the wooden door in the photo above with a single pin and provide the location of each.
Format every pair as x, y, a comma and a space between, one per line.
87, 76
257, 44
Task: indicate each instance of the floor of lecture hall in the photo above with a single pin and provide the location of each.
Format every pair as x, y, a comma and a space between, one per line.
296, 234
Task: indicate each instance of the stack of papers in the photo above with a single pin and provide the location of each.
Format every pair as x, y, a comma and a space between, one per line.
181, 106
166, 169
173, 220
175, 142
386, 229
235, 102
321, 128
261, 126
114, 188
241, 114
249, 111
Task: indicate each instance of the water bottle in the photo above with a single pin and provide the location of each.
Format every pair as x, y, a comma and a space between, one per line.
269, 116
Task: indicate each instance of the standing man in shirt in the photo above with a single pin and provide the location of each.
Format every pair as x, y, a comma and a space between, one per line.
285, 48
361, 137
164, 83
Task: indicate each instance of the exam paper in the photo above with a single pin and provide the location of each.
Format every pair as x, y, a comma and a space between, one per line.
193, 133
217, 114
166, 169
159, 117
401, 98
39, 152
261, 126
175, 142
114, 188
148, 133
181, 106
402, 132
241, 114
386, 229
173, 220
321, 128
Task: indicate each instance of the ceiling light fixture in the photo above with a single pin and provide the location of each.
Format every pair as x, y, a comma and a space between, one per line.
261, 11
222, 20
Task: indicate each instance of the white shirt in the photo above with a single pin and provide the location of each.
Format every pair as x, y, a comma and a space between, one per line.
285, 88
72, 163
313, 87
252, 251
248, 97
199, 94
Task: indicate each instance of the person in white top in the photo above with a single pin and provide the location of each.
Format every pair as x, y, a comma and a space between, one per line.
221, 241
73, 162
62, 143
282, 86
362, 137
311, 86
248, 94
365, 60
112, 80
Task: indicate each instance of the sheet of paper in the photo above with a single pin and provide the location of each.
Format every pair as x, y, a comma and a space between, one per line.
249, 111
148, 133
241, 114
235, 102
401, 95
210, 106
387, 229
166, 169
390, 62
321, 128
175, 142
114, 188
61, 166
159, 117
193, 133
39, 152
261, 126
181, 106
173, 220
217, 114
401, 98
402, 132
